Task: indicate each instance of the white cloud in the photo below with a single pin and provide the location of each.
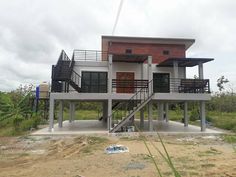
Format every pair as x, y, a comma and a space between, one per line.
32, 32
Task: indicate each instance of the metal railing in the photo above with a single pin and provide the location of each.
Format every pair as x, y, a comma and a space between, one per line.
126, 108
128, 86
179, 85
90, 55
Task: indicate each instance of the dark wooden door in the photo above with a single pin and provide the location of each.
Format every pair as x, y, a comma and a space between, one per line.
161, 82
125, 83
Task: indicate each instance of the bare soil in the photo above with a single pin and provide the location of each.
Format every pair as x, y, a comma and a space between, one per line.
84, 156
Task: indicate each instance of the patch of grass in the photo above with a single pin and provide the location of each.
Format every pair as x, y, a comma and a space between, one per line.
229, 138
209, 152
208, 165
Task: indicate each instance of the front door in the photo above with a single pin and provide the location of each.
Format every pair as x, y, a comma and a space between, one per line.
161, 82
125, 82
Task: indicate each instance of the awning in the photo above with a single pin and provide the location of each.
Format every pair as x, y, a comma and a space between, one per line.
183, 62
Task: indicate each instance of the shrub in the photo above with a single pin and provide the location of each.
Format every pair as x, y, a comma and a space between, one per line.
29, 123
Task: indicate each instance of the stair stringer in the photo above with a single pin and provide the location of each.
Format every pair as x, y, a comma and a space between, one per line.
124, 121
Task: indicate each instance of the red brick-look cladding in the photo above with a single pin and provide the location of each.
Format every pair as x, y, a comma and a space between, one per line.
155, 50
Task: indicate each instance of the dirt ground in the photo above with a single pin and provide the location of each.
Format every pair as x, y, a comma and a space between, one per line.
84, 156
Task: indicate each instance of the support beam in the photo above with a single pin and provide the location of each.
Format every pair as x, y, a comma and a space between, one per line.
150, 118
185, 113
142, 118
167, 112
200, 70
110, 73
203, 116
104, 111
72, 111
51, 114
176, 69
109, 118
160, 111
149, 70
60, 115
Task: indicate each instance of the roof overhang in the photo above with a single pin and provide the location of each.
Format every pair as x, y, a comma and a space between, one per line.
131, 58
184, 62
149, 40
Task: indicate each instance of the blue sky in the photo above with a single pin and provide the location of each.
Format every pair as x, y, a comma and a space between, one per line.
32, 33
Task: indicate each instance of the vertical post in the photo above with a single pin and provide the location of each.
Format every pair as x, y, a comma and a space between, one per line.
202, 116
105, 111
160, 111
109, 118
142, 118
200, 70
150, 119
71, 112
150, 76
167, 112
60, 116
110, 73
185, 113
176, 69
51, 114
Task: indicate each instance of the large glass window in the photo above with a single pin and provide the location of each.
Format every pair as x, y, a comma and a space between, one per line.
94, 82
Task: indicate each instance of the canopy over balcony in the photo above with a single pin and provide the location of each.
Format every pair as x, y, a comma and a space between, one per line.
131, 58
184, 62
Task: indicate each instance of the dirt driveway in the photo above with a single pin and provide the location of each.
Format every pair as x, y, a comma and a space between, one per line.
35, 156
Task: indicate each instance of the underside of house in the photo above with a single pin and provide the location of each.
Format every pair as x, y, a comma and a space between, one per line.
127, 75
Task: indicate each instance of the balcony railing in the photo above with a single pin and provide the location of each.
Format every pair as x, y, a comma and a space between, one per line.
182, 85
128, 86
90, 55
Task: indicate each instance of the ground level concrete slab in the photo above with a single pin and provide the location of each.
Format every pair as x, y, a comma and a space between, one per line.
78, 127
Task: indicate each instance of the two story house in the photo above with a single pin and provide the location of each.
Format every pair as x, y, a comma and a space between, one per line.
128, 74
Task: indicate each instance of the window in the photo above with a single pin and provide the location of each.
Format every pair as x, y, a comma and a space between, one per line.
94, 82
128, 51
166, 52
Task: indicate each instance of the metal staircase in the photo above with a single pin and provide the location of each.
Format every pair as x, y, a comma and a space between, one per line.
63, 72
124, 112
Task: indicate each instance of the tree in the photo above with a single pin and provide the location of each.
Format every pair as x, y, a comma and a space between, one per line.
220, 83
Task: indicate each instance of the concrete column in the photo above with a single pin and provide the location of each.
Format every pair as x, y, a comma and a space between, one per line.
203, 116
167, 112
60, 116
109, 73
185, 114
104, 111
109, 119
51, 114
142, 118
176, 69
72, 112
150, 119
200, 70
160, 111
150, 76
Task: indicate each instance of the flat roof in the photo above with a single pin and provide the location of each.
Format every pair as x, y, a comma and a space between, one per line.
184, 62
149, 40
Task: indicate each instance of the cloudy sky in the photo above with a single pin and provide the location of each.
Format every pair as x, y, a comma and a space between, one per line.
32, 33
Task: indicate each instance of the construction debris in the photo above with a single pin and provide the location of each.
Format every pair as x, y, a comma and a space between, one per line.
116, 149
